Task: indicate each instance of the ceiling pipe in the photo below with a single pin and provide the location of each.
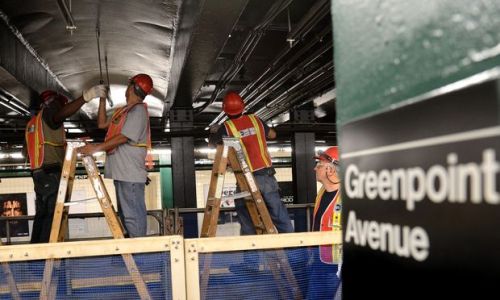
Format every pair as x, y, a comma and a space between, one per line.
252, 88
314, 83
317, 12
293, 93
318, 99
7, 105
66, 13
273, 82
245, 51
295, 99
276, 83
13, 104
258, 87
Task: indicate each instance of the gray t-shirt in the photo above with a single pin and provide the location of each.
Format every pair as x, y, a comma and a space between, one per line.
127, 162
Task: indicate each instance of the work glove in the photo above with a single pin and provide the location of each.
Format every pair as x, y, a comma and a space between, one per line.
97, 91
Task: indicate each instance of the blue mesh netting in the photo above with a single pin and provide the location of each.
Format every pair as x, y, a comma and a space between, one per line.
104, 277
261, 275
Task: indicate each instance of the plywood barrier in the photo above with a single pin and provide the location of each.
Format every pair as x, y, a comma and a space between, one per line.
171, 272
93, 264
196, 247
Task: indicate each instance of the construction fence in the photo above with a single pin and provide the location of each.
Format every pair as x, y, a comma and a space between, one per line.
275, 266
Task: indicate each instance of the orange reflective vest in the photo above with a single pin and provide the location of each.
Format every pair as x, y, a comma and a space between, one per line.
330, 221
253, 136
115, 127
35, 140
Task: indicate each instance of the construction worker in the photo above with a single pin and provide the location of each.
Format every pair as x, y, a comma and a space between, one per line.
45, 142
126, 143
253, 133
324, 278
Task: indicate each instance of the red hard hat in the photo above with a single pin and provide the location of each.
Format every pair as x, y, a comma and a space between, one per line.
233, 104
143, 84
49, 96
329, 155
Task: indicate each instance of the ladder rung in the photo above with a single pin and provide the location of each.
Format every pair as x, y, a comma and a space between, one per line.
211, 200
237, 196
260, 226
75, 202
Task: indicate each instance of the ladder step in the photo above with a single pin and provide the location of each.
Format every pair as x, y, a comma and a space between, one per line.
211, 200
75, 202
237, 196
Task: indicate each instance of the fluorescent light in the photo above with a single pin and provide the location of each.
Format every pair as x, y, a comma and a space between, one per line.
68, 125
274, 149
321, 148
162, 151
16, 155
206, 150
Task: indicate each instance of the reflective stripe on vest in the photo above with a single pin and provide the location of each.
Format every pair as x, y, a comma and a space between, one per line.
252, 134
330, 221
35, 140
115, 127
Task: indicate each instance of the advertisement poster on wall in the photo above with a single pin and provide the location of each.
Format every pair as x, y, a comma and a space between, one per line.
14, 205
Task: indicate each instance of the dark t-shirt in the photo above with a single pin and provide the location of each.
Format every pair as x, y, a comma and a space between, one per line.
326, 199
48, 116
51, 130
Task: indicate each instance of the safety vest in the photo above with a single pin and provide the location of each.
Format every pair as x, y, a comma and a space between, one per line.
252, 134
115, 127
330, 221
35, 140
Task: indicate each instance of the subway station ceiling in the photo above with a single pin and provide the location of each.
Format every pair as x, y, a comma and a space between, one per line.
277, 54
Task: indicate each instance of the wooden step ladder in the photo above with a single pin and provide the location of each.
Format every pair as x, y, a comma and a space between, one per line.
60, 221
231, 152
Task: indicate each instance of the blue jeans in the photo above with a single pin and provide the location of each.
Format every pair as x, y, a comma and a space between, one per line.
269, 189
132, 207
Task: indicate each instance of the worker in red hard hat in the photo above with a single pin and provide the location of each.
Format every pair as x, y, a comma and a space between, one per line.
127, 143
254, 134
324, 279
45, 141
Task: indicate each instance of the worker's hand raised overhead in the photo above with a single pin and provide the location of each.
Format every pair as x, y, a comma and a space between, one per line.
97, 91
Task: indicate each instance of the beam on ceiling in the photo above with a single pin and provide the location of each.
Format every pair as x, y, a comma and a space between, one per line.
200, 38
19, 59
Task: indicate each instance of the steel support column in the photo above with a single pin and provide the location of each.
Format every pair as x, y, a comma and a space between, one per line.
183, 179
304, 179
